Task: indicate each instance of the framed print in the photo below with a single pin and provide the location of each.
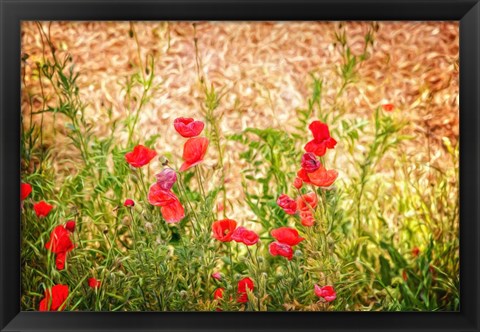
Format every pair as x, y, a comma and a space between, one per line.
270, 165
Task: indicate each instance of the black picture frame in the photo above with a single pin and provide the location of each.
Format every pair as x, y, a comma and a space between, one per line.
14, 11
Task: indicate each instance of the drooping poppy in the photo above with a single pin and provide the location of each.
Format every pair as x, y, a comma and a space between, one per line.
310, 162
280, 249
217, 276
193, 152
166, 178
320, 178
321, 139
42, 209
287, 204
94, 283
243, 285
170, 207
174, 212
129, 203
188, 127
287, 235
70, 225
140, 156
307, 202
54, 299
223, 229
25, 190
326, 292
245, 236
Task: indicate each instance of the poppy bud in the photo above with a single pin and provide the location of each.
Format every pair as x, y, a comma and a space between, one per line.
129, 203
298, 183
70, 225
217, 275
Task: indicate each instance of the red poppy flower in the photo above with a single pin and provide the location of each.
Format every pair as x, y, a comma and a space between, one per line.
54, 298
287, 204
277, 248
25, 190
70, 225
415, 252
321, 139
307, 218
287, 235
307, 202
129, 203
59, 240
320, 178
188, 127
388, 107
326, 292
60, 259
42, 209
140, 156
310, 162
218, 294
298, 183
193, 152
94, 283
170, 207
243, 235
166, 178
243, 285
223, 229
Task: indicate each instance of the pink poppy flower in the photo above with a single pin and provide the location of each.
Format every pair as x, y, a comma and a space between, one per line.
287, 204
280, 249
188, 127
326, 292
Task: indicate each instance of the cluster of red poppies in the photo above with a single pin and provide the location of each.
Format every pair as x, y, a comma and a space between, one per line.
311, 172
286, 238
314, 173
60, 244
160, 193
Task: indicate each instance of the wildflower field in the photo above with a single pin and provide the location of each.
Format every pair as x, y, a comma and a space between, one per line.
249, 166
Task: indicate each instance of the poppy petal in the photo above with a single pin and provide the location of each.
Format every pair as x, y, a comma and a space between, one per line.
173, 212
193, 152
160, 197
